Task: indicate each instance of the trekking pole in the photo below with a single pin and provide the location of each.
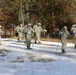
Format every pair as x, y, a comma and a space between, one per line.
24, 43
32, 43
73, 40
57, 47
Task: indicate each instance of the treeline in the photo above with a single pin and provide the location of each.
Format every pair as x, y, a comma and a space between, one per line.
53, 14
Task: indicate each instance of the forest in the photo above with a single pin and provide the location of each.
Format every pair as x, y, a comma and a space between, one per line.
53, 14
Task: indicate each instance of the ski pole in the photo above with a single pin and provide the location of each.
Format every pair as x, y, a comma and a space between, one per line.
24, 43
57, 47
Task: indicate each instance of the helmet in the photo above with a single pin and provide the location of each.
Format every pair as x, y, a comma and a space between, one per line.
74, 25
0, 26
29, 24
39, 23
65, 27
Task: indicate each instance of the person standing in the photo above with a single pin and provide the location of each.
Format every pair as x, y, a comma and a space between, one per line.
28, 33
34, 27
64, 35
19, 30
1, 33
73, 29
38, 31
20, 36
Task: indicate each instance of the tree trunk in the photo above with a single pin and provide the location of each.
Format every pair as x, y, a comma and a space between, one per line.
21, 17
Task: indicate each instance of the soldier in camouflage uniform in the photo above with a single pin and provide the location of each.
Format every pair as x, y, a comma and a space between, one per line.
38, 31
28, 32
64, 35
73, 29
1, 33
34, 27
19, 30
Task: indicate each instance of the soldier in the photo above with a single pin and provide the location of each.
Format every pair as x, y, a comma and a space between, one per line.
64, 35
19, 30
28, 31
38, 31
34, 27
1, 33
73, 29
44, 33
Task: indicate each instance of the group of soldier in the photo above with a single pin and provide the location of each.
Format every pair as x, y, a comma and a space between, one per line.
37, 29
27, 31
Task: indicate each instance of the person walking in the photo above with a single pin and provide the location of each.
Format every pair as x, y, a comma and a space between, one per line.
1, 33
64, 35
34, 27
38, 30
73, 29
28, 33
19, 30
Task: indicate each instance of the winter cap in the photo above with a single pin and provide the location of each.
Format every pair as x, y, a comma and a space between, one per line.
39, 23
65, 27
74, 25
29, 24
0, 26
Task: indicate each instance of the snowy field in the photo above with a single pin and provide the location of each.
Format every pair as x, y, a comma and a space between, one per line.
42, 59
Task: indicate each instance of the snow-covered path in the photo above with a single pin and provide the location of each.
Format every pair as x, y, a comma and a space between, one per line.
42, 59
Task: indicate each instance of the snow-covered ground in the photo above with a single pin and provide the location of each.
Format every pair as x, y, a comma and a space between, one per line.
42, 59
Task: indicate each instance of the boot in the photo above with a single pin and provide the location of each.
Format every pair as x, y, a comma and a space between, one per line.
63, 51
75, 46
35, 42
28, 48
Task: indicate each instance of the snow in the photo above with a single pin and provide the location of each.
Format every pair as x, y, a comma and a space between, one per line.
42, 59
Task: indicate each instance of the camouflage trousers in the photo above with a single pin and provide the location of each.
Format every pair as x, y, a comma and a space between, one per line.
20, 36
37, 38
75, 40
64, 43
0, 39
28, 40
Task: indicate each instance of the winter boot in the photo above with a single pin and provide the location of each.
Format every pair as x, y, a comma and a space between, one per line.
63, 51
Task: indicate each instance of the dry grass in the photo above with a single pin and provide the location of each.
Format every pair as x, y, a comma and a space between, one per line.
56, 40
70, 40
